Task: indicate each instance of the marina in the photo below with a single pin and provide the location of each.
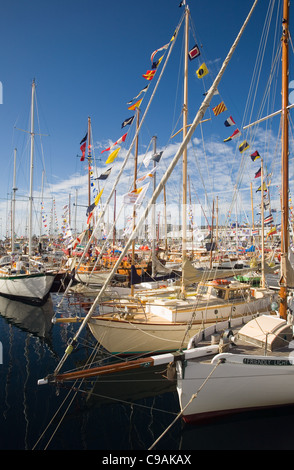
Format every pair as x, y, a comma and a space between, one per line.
121, 331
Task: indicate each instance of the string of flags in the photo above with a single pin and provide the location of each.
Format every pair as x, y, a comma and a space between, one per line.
243, 147
136, 196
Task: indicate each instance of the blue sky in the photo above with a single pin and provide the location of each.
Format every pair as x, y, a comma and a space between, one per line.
87, 59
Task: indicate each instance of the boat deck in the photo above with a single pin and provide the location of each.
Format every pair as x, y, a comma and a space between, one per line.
282, 345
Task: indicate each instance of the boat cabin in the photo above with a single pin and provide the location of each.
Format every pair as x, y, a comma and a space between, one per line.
225, 290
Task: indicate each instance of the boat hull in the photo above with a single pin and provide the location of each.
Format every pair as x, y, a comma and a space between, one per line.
241, 383
26, 286
160, 334
126, 338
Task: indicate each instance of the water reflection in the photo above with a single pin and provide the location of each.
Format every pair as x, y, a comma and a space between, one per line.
36, 320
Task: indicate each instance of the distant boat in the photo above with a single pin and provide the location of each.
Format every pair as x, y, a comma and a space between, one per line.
18, 281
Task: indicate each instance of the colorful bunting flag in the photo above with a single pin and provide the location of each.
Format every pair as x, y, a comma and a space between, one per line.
142, 193
272, 231
142, 91
254, 156
147, 175
157, 156
112, 156
132, 196
244, 146
83, 150
194, 52
97, 198
90, 208
84, 139
258, 173
220, 108
158, 50
156, 64
119, 141
127, 122
235, 134
89, 218
268, 220
229, 122
149, 75
135, 105
93, 205
202, 71
104, 175
264, 188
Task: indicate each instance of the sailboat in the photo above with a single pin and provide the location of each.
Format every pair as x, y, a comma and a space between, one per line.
21, 280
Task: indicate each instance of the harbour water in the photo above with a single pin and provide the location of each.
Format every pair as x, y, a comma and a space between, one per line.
125, 413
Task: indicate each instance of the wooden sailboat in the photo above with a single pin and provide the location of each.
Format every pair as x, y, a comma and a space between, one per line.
25, 282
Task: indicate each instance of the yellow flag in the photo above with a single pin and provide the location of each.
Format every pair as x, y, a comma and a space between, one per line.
97, 198
202, 71
112, 156
135, 105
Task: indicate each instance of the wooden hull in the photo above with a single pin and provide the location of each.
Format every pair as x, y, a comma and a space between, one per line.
163, 331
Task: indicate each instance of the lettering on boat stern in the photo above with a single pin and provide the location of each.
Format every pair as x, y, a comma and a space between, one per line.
267, 362
149, 459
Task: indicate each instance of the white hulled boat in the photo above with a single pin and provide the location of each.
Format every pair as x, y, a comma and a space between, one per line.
26, 282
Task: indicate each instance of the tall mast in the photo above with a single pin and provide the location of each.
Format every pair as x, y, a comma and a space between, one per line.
89, 169
31, 169
89, 160
285, 162
135, 187
262, 226
42, 194
14, 189
185, 114
153, 223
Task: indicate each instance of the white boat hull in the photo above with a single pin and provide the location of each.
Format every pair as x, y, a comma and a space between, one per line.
240, 383
26, 286
95, 278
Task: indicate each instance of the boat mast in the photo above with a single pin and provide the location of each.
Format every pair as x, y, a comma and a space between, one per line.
262, 226
89, 160
153, 222
185, 115
135, 188
14, 189
285, 162
31, 169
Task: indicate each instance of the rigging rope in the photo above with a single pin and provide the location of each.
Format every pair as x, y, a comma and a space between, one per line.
185, 407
